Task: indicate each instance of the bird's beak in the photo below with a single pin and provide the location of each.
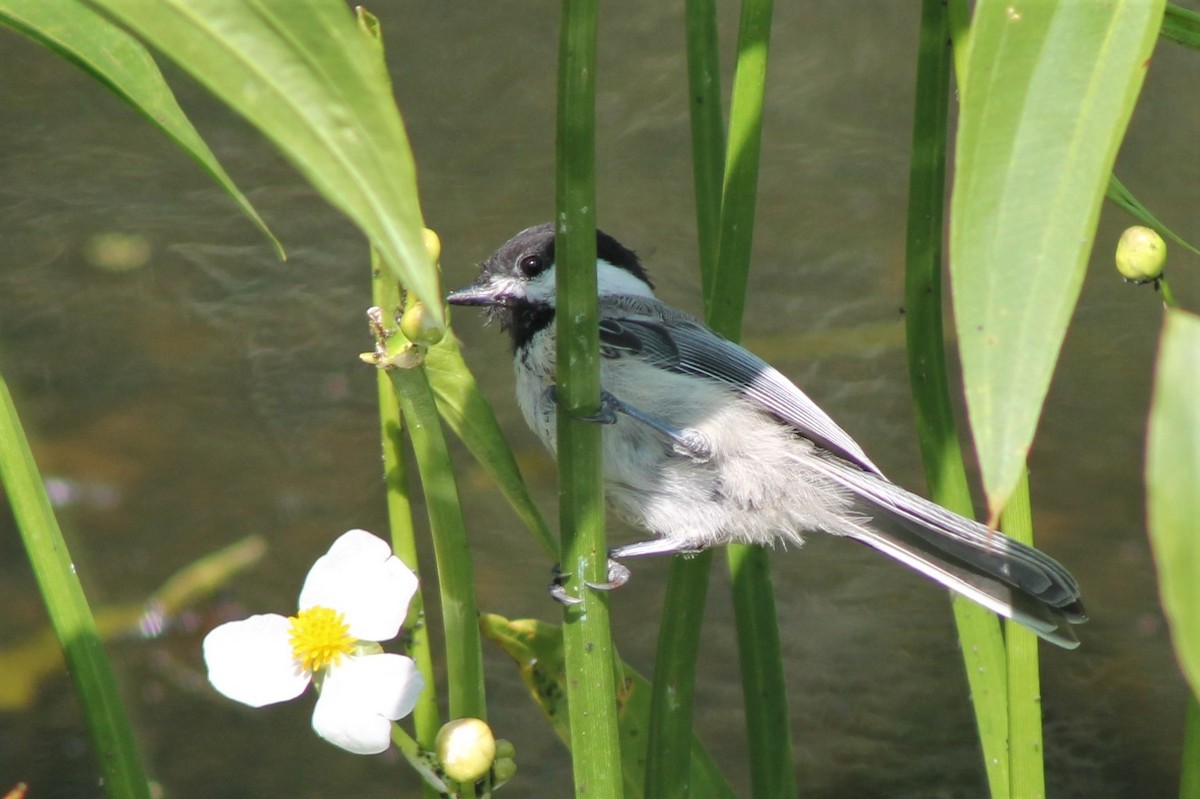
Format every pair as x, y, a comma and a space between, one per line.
479, 293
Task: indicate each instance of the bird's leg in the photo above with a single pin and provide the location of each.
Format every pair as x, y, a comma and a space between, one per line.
618, 573
687, 441
655, 546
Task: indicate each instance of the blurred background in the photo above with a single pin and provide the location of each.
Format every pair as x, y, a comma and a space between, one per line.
183, 389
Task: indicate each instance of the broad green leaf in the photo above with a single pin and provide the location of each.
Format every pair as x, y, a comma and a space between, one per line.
116, 59
1173, 485
537, 648
310, 80
469, 415
1049, 91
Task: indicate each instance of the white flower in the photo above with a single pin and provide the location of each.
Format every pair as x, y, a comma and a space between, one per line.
355, 594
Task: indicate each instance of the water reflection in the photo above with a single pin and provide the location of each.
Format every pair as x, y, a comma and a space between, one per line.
215, 392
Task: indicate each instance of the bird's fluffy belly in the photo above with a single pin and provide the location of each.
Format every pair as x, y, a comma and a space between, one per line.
755, 488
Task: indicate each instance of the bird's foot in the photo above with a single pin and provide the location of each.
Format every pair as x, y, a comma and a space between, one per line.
618, 575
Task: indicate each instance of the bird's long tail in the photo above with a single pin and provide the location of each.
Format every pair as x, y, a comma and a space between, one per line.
1007, 577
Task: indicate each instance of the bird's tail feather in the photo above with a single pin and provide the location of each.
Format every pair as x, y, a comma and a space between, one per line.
1005, 576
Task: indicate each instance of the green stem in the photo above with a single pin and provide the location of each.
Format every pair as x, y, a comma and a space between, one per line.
669, 736
1167, 295
1189, 778
464, 657
708, 135
764, 690
108, 725
587, 640
385, 294
1181, 25
1027, 773
978, 630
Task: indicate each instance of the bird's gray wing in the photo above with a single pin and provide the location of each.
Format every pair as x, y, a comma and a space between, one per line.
676, 342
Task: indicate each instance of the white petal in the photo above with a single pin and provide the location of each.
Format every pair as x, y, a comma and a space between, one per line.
360, 698
361, 578
251, 661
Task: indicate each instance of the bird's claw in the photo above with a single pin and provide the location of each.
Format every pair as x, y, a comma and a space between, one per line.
558, 587
618, 575
694, 444
607, 413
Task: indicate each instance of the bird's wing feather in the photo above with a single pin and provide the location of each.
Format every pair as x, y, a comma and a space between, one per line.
676, 342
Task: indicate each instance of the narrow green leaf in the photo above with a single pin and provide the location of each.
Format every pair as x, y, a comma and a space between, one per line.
708, 132
1181, 25
116, 59
1027, 775
978, 629
764, 689
1123, 197
466, 411
537, 649
1173, 485
108, 725
1049, 91
1189, 778
27, 664
672, 702
303, 73
723, 310
456, 581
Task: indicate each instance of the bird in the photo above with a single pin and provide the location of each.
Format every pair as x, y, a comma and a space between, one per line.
706, 444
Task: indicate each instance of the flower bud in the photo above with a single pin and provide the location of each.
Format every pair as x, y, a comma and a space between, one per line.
433, 245
466, 749
503, 770
1141, 253
419, 326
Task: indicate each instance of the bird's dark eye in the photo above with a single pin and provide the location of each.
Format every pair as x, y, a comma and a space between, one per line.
531, 265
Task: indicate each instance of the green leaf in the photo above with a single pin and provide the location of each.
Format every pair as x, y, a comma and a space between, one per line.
309, 79
978, 630
118, 61
456, 582
1027, 770
1048, 94
1173, 485
537, 648
1182, 26
1124, 199
464, 409
108, 724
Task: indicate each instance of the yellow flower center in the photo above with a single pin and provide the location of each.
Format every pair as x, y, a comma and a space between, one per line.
319, 638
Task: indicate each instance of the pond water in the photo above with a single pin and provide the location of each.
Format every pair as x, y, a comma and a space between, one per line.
191, 390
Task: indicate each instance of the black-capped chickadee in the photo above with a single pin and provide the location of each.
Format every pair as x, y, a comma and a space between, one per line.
707, 444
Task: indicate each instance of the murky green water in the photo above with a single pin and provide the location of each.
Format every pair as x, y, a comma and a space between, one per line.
214, 392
